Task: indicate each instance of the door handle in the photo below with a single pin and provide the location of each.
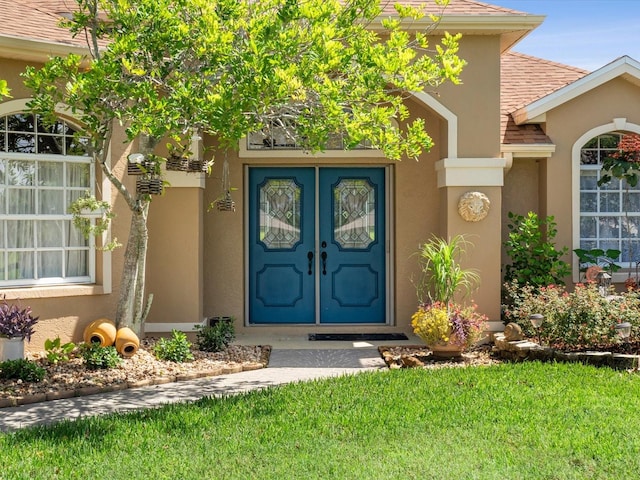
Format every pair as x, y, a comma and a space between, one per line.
310, 258
323, 255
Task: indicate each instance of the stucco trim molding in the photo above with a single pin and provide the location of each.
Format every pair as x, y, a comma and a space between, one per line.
37, 50
529, 150
623, 66
169, 327
471, 172
450, 117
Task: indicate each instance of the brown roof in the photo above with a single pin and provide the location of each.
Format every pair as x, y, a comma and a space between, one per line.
36, 20
525, 79
455, 7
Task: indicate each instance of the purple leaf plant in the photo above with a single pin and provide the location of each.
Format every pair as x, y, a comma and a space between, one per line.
16, 322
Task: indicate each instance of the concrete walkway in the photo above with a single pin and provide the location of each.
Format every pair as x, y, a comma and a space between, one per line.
286, 365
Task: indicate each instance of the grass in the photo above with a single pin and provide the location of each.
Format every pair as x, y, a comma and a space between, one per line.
516, 421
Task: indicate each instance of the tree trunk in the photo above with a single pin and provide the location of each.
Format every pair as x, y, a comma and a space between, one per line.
131, 309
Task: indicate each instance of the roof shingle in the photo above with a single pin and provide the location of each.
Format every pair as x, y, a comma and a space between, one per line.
455, 7
38, 19
524, 79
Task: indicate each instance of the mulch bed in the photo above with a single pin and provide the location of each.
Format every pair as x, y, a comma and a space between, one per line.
419, 356
73, 379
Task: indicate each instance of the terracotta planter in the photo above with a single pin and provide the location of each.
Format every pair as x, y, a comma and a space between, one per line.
127, 342
444, 351
11, 348
102, 331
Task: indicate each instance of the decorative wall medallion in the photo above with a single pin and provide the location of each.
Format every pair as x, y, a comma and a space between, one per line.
473, 206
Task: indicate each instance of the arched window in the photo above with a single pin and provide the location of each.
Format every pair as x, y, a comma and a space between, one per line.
609, 214
43, 169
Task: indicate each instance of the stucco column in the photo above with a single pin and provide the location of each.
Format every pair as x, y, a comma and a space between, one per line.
175, 257
478, 183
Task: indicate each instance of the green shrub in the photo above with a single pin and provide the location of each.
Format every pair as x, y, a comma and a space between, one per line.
174, 349
21, 369
596, 256
57, 351
534, 258
97, 357
582, 318
216, 337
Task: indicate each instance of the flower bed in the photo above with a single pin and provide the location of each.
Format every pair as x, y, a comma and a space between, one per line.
618, 356
72, 378
419, 356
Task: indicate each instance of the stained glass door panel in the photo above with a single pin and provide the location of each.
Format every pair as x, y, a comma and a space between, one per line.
300, 275
352, 268
281, 233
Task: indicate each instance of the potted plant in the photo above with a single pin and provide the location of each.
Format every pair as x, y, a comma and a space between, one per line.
92, 217
16, 325
445, 325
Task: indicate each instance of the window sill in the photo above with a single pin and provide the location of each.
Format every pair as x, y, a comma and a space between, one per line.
25, 293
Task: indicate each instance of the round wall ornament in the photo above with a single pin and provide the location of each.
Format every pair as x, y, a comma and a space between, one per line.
473, 206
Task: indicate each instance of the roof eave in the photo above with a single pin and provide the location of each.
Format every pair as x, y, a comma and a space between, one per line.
623, 66
512, 28
32, 50
528, 150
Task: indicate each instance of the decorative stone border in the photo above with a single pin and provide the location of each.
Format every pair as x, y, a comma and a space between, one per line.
92, 390
519, 350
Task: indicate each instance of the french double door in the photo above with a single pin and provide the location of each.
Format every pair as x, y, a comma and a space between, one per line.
317, 246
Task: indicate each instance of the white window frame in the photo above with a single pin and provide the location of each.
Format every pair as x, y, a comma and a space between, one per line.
90, 249
618, 125
89, 285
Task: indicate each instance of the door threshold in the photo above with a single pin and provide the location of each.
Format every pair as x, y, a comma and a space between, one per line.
356, 337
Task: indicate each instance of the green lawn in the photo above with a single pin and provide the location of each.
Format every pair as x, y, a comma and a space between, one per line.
512, 421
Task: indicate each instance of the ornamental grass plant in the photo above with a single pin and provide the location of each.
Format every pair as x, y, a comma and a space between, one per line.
442, 275
440, 319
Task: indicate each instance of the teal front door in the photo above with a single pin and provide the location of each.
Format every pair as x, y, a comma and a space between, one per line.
317, 248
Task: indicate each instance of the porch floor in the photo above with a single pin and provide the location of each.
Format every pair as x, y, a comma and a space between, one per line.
300, 341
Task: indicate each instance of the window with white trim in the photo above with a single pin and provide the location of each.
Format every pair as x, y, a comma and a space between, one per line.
280, 135
609, 214
43, 169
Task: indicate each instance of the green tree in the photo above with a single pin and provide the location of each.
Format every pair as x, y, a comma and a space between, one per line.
5, 91
169, 68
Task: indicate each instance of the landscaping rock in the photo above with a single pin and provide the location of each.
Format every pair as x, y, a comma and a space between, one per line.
513, 332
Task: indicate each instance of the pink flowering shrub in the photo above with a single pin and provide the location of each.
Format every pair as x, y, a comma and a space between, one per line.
581, 318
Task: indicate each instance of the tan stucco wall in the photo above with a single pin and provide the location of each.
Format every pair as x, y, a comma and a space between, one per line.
10, 71
520, 193
420, 208
565, 124
196, 263
482, 254
416, 211
476, 101
65, 311
174, 265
